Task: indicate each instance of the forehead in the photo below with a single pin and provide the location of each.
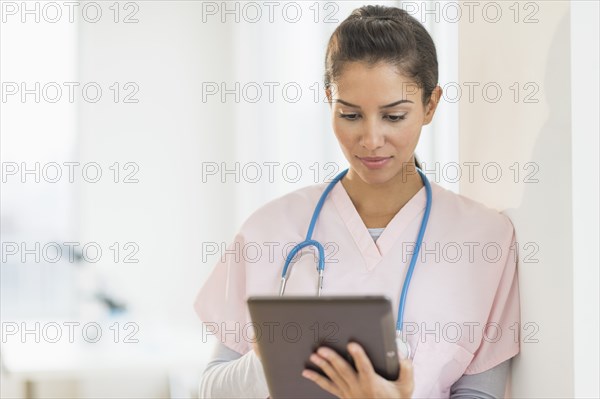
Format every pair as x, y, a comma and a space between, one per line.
380, 82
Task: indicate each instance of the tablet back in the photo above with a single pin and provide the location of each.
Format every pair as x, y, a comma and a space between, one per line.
288, 329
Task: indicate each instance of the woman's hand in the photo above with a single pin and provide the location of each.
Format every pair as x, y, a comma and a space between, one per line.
366, 383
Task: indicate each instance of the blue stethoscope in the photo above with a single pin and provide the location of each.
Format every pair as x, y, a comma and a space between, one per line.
403, 346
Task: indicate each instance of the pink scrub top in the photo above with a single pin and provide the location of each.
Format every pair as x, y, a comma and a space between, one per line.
462, 310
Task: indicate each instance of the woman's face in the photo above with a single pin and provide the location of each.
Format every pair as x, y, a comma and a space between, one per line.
377, 117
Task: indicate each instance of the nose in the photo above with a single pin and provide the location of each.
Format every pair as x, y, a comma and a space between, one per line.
372, 137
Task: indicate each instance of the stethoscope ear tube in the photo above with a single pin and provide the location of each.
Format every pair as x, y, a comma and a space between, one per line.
415, 255
308, 241
292, 254
321, 264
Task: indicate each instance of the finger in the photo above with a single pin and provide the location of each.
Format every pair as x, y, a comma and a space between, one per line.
406, 370
328, 368
341, 365
362, 361
407, 382
323, 382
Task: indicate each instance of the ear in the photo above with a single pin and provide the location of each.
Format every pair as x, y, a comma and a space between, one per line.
431, 106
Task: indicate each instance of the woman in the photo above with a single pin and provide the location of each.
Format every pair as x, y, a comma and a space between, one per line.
463, 304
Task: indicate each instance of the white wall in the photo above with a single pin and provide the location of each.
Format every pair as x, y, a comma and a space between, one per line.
168, 133
546, 213
585, 102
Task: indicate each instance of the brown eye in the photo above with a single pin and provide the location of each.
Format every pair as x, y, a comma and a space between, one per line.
396, 118
350, 117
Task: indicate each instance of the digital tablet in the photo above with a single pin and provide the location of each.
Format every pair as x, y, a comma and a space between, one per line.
288, 329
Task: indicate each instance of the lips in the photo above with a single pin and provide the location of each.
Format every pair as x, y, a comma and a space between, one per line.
373, 159
374, 162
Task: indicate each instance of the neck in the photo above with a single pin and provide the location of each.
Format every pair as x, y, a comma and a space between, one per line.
377, 204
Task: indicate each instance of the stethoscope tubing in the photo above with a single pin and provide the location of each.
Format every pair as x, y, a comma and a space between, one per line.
308, 241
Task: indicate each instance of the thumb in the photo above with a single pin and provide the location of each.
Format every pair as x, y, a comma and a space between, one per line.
406, 382
406, 371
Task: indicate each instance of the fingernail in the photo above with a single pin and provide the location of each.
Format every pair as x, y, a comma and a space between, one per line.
323, 352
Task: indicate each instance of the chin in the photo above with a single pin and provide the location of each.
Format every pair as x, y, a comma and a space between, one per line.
375, 176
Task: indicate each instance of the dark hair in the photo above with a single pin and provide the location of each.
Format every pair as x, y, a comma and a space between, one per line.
375, 33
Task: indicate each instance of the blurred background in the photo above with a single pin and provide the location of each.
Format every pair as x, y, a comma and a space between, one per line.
137, 136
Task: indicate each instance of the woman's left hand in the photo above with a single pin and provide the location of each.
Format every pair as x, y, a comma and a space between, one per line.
344, 382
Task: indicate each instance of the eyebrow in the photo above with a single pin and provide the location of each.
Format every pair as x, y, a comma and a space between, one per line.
384, 106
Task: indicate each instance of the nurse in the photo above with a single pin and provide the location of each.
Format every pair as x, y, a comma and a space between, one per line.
462, 311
